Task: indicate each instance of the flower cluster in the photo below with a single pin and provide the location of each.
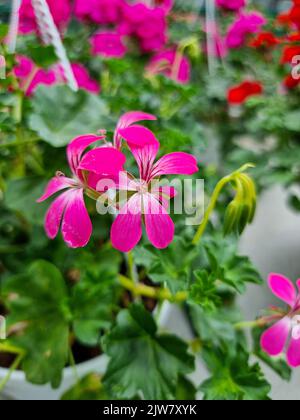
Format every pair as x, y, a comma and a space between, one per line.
287, 327
92, 170
30, 76
244, 25
61, 11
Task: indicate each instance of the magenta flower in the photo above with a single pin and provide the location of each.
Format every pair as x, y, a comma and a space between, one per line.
148, 25
172, 64
60, 10
148, 201
82, 77
108, 44
275, 339
68, 211
244, 25
233, 5
30, 76
100, 11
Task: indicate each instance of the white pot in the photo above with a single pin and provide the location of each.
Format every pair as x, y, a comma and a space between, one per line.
19, 389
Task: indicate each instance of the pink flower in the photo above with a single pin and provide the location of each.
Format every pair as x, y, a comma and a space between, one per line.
60, 10
244, 25
148, 202
68, 211
148, 25
30, 76
172, 64
108, 44
231, 4
100, 11
82, 77
275, 339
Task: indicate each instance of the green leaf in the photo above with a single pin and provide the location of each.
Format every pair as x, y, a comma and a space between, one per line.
186, 391
204, 292
171, 266
214, 328
21, 196
59, 114
95, 297
233, 378
277, 365
234, 270
292, 121
88, 388
41, 305
142, 360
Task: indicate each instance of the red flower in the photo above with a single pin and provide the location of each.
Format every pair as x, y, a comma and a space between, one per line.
265, 39
289, 53
290, 82
237, 95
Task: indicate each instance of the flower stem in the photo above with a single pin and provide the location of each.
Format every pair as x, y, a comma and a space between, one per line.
214, 199
250, 324
20, 355
141, 289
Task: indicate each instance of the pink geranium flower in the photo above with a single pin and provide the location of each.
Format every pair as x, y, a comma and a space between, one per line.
244, 25
147, 24
148, 203
172, 64
275, 339
108, 44
100, 11
60, 10
82, 77
68, 211
231, 4
30, 76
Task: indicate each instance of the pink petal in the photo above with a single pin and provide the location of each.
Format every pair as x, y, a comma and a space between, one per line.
159, 225
127, 120
76, 226
77, 147
55, 185
145, 157
283, 288
103, 160
274, 339
126, 231
178, 163
54, 215
298, 285
138, 135
164, 194
293, 354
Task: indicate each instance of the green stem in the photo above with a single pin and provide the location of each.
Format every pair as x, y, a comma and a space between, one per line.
141, 289
249, 324
214, 199
20, 355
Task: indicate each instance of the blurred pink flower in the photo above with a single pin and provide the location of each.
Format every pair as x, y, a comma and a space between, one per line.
148, 203
82, 76
30, 76
100, 11
244, 25
219, 46
148, 24
108, 44
231, 4
172, 64
275, 339
68, 211
60, 10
